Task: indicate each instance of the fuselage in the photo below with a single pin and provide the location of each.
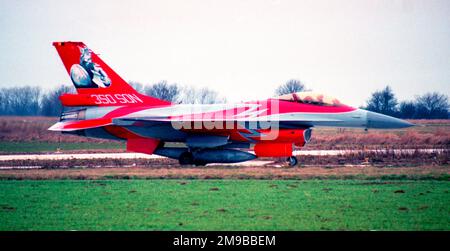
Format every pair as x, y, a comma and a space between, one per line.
174, 123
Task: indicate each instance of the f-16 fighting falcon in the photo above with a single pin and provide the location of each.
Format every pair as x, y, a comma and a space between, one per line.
105, 106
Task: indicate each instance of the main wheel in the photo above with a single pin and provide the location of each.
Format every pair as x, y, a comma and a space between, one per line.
292, 161
186, 158
199, 163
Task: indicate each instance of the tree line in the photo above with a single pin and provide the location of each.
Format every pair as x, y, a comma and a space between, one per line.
431, 105
33, 101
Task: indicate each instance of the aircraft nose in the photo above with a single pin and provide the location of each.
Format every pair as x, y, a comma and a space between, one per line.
380, 121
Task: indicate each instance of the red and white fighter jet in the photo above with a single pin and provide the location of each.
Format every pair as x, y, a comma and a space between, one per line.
106, 106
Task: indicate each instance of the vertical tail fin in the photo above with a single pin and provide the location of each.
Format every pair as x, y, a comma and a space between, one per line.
95, 81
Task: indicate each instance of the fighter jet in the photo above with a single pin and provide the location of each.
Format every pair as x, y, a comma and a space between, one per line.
105, 106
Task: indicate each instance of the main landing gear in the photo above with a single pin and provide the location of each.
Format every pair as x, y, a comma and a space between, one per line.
292, 161
187, 158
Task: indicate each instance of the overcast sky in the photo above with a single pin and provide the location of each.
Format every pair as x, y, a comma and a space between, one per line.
242, 49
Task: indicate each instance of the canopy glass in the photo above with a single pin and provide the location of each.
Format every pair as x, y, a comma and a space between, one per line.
313, 98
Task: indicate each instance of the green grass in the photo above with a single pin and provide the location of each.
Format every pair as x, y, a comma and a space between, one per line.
30, 147
224, 205
38, 146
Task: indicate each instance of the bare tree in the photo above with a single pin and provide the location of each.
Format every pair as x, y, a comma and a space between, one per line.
432, 105
192, 95
290, 86
23, 101
4, 102
208, 96
137, 86
163, 90
407, 109
50, 103
383, 101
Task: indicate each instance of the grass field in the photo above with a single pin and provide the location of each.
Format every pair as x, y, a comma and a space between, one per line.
163, 170
224, 205
36, 146
369, 191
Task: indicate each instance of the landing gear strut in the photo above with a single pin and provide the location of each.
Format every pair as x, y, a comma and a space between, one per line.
292, 161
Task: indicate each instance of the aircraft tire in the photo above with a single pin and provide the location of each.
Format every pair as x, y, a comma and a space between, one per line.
199, 163
186, 158
292, 161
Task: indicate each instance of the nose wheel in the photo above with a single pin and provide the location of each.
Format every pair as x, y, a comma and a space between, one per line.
292, 161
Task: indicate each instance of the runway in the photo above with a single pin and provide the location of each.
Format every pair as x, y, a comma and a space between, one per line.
136, 156
64, 156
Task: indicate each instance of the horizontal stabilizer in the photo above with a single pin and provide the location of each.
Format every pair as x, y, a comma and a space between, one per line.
74, 125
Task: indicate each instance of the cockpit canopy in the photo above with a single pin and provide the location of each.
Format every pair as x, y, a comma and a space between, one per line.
313, 98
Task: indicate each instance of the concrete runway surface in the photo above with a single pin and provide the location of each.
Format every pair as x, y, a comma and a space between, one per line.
63, 156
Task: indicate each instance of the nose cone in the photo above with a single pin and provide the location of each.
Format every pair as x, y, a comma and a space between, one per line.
380, 121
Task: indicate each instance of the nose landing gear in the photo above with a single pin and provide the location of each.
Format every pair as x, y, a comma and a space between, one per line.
292, 161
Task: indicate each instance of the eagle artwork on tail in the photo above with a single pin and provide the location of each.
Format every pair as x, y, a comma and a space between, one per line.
88, 74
